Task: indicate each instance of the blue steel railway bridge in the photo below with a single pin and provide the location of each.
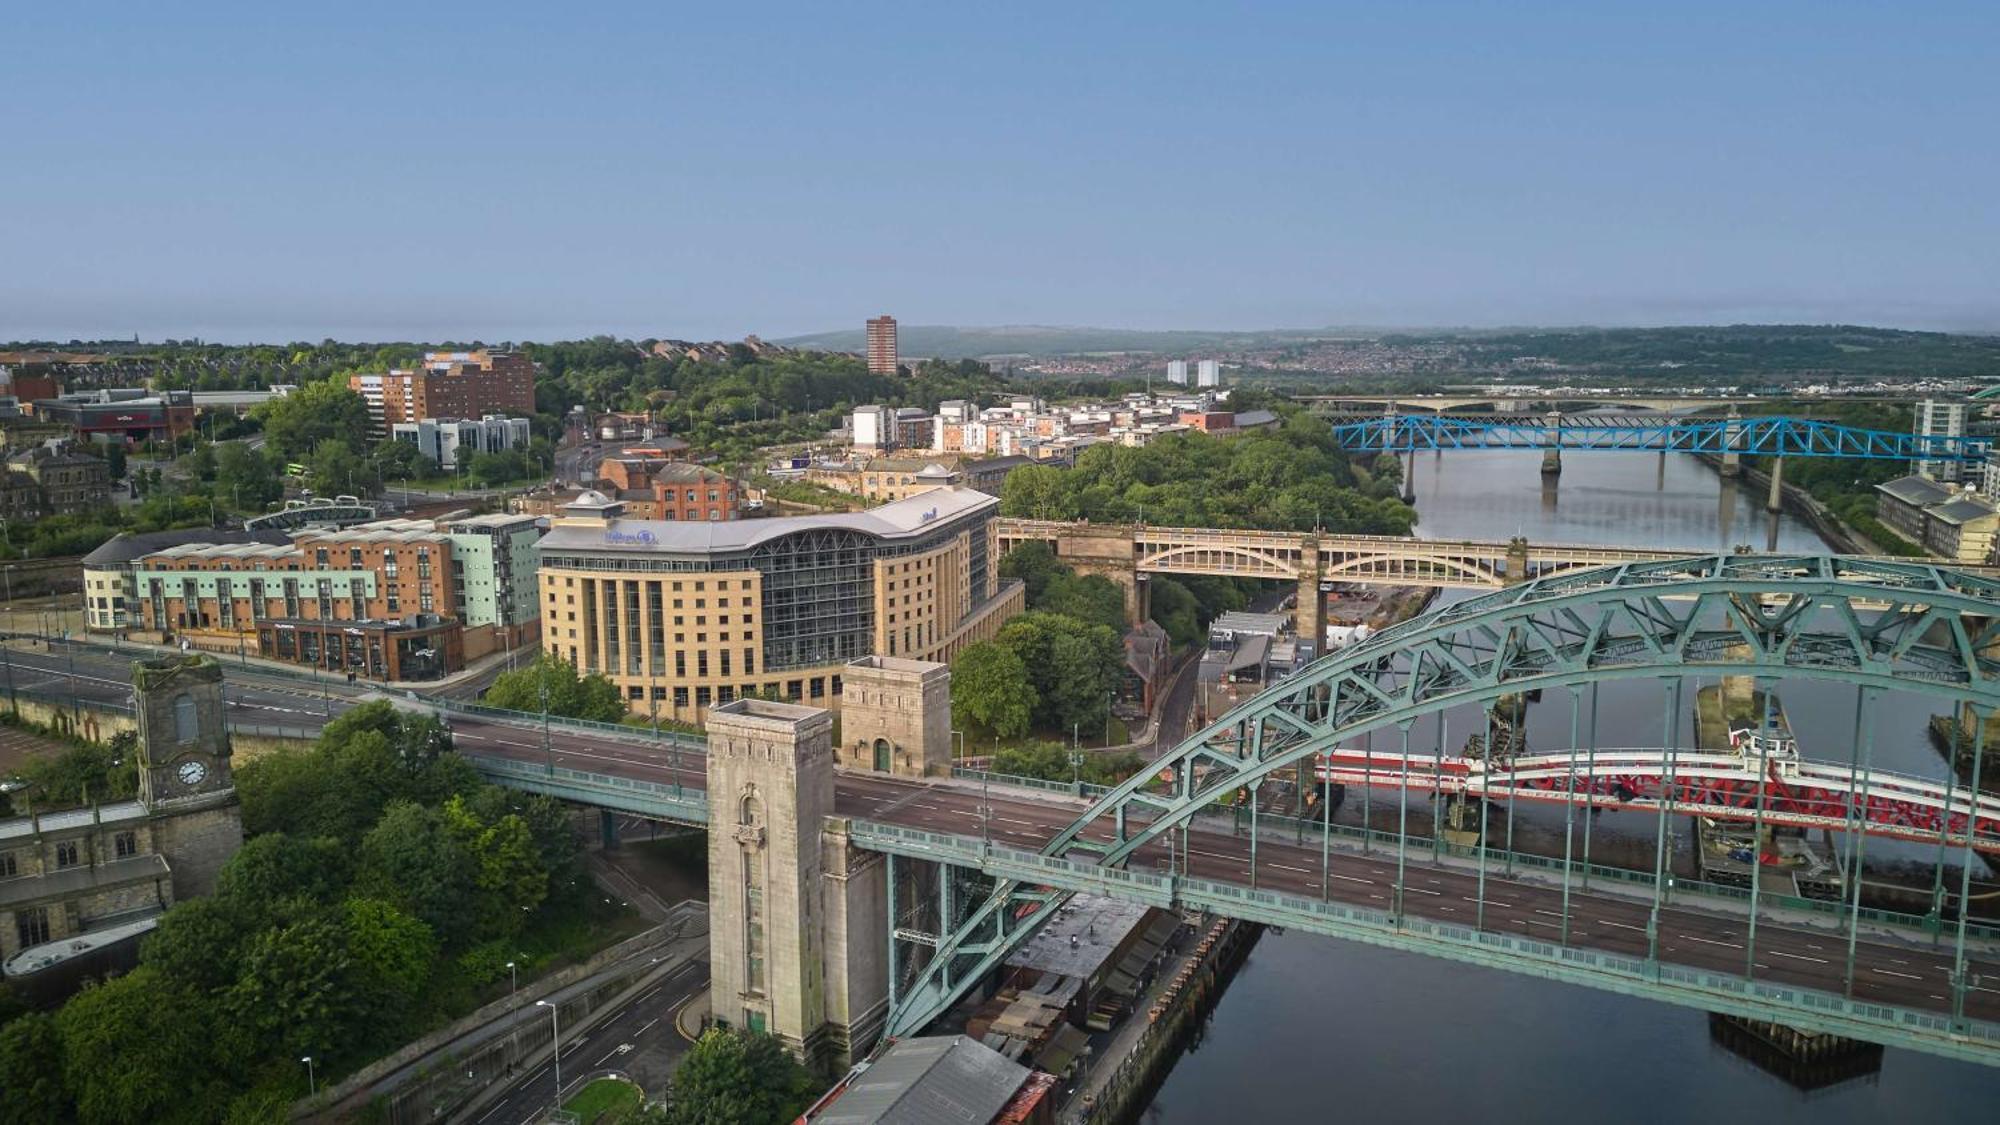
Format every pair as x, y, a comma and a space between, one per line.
1728, 439
966, 867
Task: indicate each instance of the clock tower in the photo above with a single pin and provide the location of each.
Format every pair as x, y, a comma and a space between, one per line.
184, 778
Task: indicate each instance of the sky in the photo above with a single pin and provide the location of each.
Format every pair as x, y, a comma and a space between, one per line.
501, 171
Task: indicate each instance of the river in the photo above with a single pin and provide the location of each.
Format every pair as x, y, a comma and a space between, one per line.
1318, 1029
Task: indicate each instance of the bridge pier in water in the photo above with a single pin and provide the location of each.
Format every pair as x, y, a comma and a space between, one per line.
1552, 457
1732, 461
1775, 502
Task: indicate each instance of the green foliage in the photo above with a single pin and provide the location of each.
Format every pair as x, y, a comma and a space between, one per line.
1056, 588
82, 773
605, 1100
335, 469
990, 688
1050, 761
143, 1048
296, 424
552, 682
734, 1077
31, 1071
338, 937
1073, 667
245, 478
1293, 479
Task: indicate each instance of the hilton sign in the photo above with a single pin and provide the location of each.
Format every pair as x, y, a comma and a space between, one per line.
631, 538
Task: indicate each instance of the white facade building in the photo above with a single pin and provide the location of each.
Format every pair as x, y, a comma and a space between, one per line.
1177, 372
1941, 419
449, 442
1208, 373
874, 428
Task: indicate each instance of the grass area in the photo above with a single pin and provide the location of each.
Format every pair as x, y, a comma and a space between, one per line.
605, 1100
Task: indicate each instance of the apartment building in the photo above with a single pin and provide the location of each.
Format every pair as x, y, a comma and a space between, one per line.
882, 345
470, 384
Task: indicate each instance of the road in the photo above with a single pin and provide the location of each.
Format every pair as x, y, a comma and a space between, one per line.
94, 676
639, 1041
1890, 969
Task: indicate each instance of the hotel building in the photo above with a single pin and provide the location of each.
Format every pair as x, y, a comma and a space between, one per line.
686, 615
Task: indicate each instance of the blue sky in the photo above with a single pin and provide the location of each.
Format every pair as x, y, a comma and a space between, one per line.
500, 171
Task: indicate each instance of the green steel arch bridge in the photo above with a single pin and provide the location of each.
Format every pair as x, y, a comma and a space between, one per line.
1761, 436
1929, 982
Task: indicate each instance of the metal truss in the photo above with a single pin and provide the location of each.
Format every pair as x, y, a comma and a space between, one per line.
1807, 616
1872, 624
1761, 436
943, 940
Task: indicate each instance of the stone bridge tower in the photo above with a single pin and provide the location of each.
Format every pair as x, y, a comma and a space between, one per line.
797, 916
895, 716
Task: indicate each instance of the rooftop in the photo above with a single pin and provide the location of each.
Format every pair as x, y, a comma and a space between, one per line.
897, 520
1081, 937
126, 547
1919, 490
939, 1080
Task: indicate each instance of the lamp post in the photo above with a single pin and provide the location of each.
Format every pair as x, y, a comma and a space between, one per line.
555, 1036
513, 1005
312, 1077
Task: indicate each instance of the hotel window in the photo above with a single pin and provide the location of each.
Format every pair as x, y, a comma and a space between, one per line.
425, 600
423, 564
225, 603
354, 558
701, 697
326, 599
725, 664
320, 558
357, 598
680, 697
291, 597
701, 663
389, 566
256, 598
749, 661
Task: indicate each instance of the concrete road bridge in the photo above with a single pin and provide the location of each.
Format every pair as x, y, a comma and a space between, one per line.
885, 897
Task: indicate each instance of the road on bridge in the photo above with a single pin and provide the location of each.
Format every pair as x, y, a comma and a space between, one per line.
1890, 968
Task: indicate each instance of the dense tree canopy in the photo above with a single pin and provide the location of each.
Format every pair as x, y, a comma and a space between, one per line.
296, 424
1291, 479
380, 879
991, 690
552, 682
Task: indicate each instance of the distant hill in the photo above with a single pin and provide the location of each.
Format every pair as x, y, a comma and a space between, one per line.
1740, 349
949, 342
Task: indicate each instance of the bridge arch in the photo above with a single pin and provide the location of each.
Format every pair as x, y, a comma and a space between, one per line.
1183, 558
1364, 567
1777, 617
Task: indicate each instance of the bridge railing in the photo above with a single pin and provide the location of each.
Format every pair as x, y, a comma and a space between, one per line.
1291, 830
683, 741
648, 796
1636, 976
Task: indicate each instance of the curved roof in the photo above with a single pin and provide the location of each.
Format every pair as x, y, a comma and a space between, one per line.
899, 520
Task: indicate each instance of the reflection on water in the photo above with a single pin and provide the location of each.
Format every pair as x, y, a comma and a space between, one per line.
1315, 1028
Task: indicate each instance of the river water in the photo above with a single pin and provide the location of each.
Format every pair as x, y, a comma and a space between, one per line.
1318, 1029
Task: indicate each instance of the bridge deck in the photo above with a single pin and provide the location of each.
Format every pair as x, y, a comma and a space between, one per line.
1906, 972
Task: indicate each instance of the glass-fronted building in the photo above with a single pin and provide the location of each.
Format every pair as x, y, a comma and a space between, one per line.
683, 616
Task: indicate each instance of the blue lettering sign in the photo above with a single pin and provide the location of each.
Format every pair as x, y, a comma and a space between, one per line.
634, 538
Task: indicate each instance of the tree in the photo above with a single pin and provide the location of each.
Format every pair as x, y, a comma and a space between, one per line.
297, 423
114, 459
414, 859
990, 687
552, 682
31, 1072
334, 469
295, 990
137, 1048
1073, 667
393, 952
399, 460
274, 866
738, 1078
245, 478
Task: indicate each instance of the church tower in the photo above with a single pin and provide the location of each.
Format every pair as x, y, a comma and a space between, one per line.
184, 777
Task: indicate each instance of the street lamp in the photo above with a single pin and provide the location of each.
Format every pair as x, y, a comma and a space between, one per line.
312, 1078
513, 1004
555, 1036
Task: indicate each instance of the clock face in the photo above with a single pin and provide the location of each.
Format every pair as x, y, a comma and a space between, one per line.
191, 773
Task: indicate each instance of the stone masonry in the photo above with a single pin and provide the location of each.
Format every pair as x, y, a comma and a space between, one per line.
896, 716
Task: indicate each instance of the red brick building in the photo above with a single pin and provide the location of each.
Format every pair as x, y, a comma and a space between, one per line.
451, 385
376, 599
651, 489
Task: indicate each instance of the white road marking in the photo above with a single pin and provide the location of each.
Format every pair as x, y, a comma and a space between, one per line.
1894, 973
1712, 941
1797, 956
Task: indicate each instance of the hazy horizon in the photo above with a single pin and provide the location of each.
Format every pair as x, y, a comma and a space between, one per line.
497, 171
